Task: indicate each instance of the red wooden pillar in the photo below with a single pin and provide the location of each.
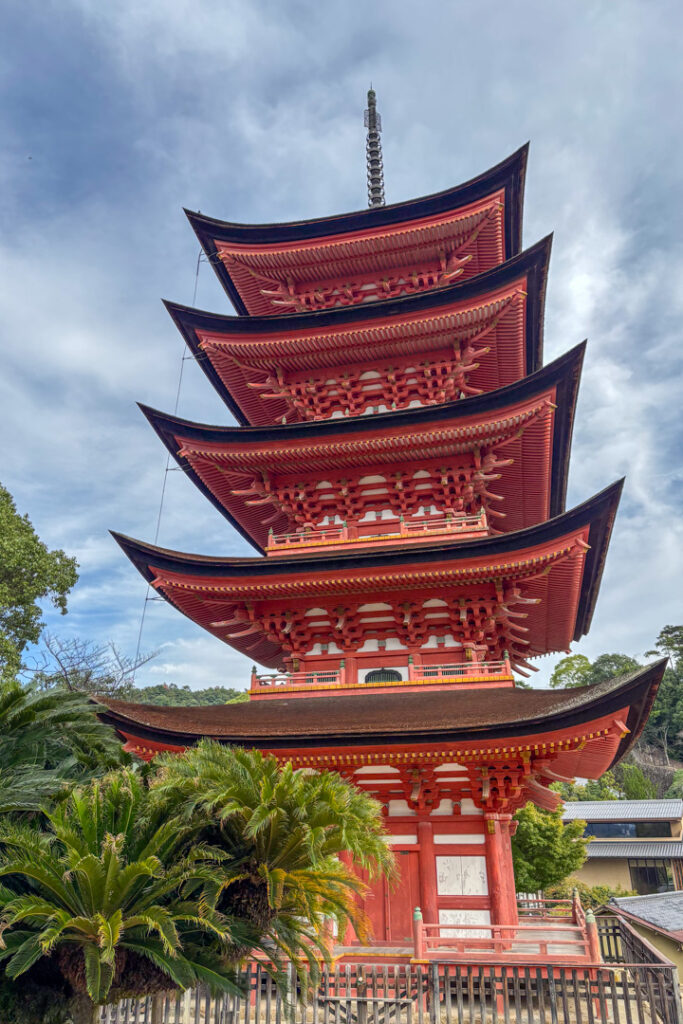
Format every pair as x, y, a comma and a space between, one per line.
427, 866
500, 872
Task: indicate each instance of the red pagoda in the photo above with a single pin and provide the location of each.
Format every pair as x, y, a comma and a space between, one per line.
400, 467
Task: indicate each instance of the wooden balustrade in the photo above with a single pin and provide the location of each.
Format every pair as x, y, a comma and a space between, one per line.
493, 671
433, 993
378, 531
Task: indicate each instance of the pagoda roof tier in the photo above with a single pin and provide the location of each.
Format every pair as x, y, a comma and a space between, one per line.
520, 433
489, 330
546, 577
461, 231
582, 731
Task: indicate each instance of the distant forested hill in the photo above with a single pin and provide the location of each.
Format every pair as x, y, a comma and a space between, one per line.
174, 696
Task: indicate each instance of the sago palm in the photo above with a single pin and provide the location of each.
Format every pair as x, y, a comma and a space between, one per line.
48, 739
119, 897
284, 831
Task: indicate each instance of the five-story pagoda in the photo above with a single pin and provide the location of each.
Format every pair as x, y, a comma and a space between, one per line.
401, 467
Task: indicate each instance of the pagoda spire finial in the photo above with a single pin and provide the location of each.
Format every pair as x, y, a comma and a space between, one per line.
373, 152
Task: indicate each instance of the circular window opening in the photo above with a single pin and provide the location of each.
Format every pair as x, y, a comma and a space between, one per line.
383, 675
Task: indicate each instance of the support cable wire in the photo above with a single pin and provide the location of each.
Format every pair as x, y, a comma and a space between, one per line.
167, 470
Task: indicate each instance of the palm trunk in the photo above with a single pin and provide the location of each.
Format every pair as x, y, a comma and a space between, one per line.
84, 1011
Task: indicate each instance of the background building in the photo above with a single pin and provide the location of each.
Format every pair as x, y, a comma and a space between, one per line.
635, 844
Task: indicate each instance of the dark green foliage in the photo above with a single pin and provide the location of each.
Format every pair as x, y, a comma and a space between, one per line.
120, 896
545, 850
123, 890
29, 573
664, 728
49, 740
592, 896
171, 695
577, 670
633, 782
285, 829
626, 781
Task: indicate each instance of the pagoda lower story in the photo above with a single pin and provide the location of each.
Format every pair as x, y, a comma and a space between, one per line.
450, 769
400, 467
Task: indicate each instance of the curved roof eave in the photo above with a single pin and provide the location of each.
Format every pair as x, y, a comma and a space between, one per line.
532, 262
508, 174
362, 719
598, 513
564, 373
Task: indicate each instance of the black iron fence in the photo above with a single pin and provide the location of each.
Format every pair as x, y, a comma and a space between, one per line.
436, 993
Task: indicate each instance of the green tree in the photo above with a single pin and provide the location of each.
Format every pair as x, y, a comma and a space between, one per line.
609, 666
577, 670
592, 896
48, 741
29, 573
633, 782
544, 849
604, 788
570, 672
172, 695
675, 790
117, 895
664, 728
286, 830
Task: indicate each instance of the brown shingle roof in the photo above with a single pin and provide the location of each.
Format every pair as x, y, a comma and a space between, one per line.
444, 715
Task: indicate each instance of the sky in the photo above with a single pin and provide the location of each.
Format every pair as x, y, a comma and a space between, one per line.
113, 117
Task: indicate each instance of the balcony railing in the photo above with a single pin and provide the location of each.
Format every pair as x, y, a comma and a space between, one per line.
401, 990
556, 930
468, 671
382, 532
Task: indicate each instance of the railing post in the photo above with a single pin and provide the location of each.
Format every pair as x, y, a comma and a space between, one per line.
418, 935
411, 667
254, 677
676, 996
342, 672
593, 938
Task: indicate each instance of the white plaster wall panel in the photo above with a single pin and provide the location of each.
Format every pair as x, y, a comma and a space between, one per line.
444, 808
467, 806
474, 880
376, 769
399, 808
465, 917
461, 876
401, 839
455, 839
451, 766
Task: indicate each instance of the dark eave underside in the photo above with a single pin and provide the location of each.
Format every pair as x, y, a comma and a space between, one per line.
564, 373
509, 174
533, 262
444, 716
598, 512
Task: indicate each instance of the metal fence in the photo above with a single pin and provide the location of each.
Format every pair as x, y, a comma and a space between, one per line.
437, 993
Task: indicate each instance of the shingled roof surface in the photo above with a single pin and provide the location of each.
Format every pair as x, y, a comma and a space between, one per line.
623, 810
453, 714
663, 910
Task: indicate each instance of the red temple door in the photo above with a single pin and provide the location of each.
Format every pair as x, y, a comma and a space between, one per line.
404, 897
390, 908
